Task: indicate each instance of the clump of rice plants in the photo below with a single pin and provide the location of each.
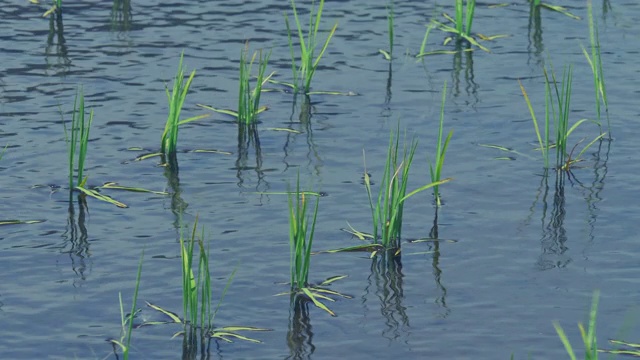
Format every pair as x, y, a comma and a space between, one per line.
176, 99
595, 62
387, 208
248, 98
126, 321
588, 335
435, 168
301, 230
303, 73
3, 151
556, 115
197, 309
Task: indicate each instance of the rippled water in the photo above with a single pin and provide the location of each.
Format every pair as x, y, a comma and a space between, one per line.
528, 249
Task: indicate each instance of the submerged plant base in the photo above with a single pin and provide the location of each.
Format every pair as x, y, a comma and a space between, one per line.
316, 293
226, 333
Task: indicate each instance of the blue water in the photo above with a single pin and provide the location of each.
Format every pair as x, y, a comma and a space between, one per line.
528, 250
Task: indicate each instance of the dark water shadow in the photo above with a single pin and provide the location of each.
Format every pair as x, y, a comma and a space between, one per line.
247, 139
535, 46
121, 15
76, 237
592, 191
300, 332
463, 61
386, 282
434, 247
386, 108
552, 200
554, 235
56, 51
303, 124
195, 346
606, 9
178, 205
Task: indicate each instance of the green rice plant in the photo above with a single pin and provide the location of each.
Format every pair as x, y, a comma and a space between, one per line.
300, 237
388, 208
557, 111
390, 16
197, 310
77, 139
176, 99
126, 321
464, 28
462, 32
387, 211
301, 231
461, 29
588, 335
248, 99
435, 168
595, 62
303, 73
3, 151
196, 294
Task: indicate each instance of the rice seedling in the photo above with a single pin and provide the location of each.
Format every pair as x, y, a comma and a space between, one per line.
461, 24
303, 73
4, 150
176, 99
248, 99
595, 62
126, 321
77, 138
198, 312
435, 168
588, 335
77, 141
300, 243
467, 13
300, 237
388, 54
387, 210
557, 110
